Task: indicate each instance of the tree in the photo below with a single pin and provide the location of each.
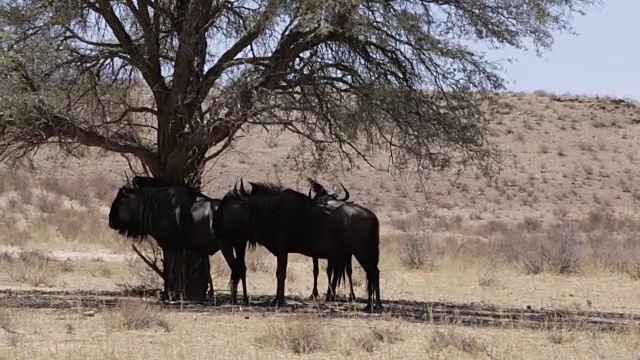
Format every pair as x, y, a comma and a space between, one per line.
350, 77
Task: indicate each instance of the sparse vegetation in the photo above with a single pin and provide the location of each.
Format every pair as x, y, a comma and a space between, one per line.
373, 337
32, 267
443, 339
299, 335
549, 223
136, 315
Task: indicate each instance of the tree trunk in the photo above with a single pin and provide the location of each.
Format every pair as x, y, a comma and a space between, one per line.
187, 273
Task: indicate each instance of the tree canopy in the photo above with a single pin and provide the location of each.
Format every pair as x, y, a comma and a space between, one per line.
348, 76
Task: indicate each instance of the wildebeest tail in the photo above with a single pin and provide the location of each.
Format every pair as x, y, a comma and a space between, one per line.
373, 254
339, 269
251, 243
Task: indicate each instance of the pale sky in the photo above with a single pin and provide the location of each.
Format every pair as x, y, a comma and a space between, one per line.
603, 59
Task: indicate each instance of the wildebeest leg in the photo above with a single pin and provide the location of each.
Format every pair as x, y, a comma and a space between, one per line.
316, 271
330, 291
352, 295
242, 271
210, 282
373, 275
281, 274
334, 281
232, 262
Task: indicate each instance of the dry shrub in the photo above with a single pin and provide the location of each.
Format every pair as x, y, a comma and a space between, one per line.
406, 223
142, 275
84, 227
415, 251
441, 340
602, 218
104, 188
76, 189
557, 253
255, 260
618, 252
11, 235
492, 227
374, 336
447, 223
45, 203
300, 335
72, 225
18, 180
530, 224
136, 315
488, 277
561, 337
33, 268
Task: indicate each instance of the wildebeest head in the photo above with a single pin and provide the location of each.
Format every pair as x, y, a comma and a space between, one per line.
123, 209
322, 195
228, 211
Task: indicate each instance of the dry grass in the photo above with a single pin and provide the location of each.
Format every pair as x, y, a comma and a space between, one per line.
76, 335
33, 268
136, 315
300, 336
556, 229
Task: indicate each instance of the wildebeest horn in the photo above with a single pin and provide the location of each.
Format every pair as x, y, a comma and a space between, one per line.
242, 190
346, 193
309, 193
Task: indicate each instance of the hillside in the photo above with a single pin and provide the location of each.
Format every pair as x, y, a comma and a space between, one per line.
564, 154
557, 229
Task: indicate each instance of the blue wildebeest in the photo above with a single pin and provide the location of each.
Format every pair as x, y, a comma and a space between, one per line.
322, 196
177, 216
286, 221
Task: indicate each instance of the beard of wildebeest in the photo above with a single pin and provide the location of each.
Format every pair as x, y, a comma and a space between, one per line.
286, 221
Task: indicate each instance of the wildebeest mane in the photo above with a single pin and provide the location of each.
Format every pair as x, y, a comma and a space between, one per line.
160, 182
264, 188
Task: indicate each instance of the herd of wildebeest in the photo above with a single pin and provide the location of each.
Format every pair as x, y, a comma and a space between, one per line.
321, 226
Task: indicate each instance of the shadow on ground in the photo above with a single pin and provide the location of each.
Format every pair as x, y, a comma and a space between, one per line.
428, 312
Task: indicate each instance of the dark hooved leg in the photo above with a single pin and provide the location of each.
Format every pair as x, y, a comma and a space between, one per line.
235, 274
373, 275
352, 295
281, 275
376, 289
242, 271
210, 291
316, 271
331, 291
209, 297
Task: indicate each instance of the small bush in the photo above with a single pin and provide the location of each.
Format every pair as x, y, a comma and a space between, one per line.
414, 251
137, 315
441, 340
300, 336
374, 336
33, 268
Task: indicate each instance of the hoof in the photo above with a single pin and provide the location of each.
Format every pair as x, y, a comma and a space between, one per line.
313, 296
